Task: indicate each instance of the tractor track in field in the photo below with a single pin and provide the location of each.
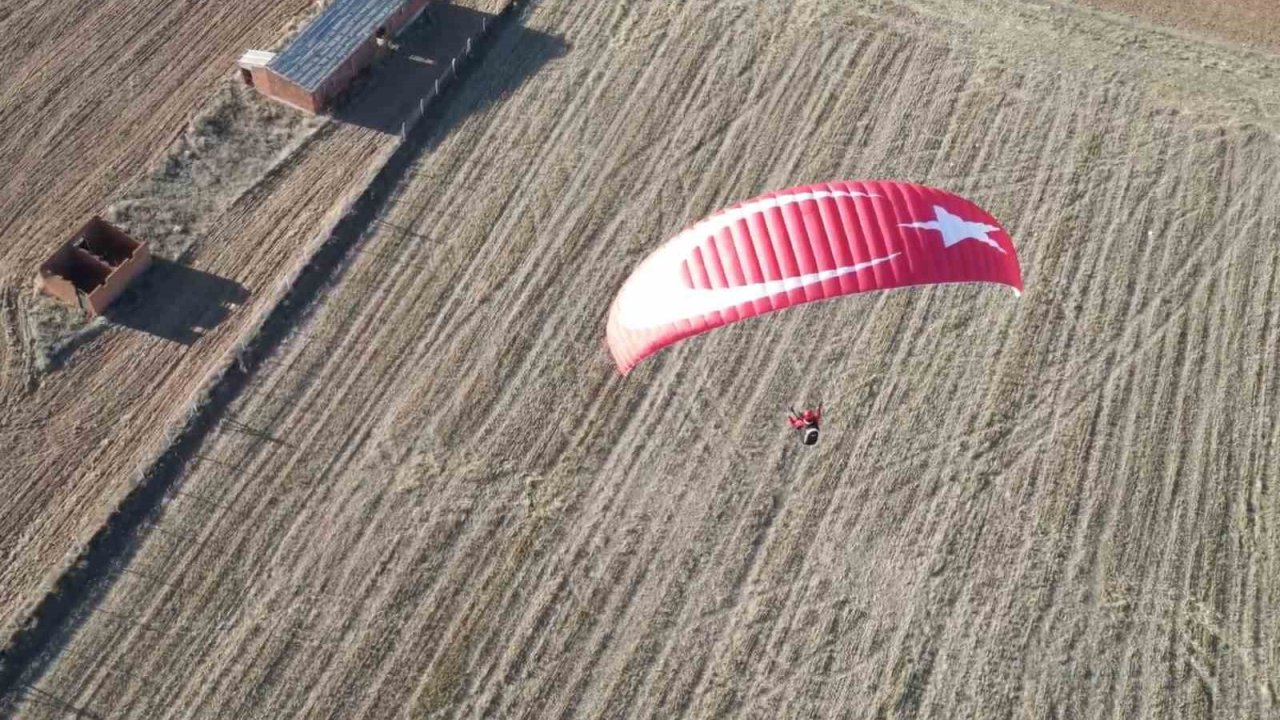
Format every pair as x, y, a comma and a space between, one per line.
433, 497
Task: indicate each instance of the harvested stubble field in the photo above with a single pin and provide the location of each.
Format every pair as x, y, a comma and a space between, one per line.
77, 440
437, 499
91, 96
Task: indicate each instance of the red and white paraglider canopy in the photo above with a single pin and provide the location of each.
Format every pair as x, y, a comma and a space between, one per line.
802, 245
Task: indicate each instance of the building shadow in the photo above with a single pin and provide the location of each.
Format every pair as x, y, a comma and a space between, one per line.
176, 302
388, 94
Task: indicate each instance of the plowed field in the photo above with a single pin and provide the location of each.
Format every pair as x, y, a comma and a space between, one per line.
437, 499
76, 440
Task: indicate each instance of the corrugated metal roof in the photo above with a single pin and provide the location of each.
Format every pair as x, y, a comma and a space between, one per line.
331, 38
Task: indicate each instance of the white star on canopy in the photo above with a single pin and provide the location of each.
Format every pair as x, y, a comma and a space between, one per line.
956, 229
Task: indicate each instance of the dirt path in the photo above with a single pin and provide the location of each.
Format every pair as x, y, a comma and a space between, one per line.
438, 499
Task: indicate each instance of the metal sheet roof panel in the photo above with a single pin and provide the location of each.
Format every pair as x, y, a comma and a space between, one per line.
256, 58
331, 38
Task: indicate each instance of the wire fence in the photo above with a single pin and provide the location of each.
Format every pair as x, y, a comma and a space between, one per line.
488, 26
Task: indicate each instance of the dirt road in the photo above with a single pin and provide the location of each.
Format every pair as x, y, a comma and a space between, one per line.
438, 500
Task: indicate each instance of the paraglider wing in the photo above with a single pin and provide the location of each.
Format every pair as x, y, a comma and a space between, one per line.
802, 245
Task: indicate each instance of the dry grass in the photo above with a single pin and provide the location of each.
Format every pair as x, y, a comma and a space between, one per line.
56, 329
76, 441
232, 144
1054, 507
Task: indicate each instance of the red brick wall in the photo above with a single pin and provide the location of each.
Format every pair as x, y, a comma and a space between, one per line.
342, 76
57, 286
116, 282
280, 88
72, 262
285, 90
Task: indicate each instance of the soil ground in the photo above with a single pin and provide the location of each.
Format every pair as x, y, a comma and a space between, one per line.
437, 499
77, 440
1253, 23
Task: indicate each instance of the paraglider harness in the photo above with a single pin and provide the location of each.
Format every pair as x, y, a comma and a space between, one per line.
806, 423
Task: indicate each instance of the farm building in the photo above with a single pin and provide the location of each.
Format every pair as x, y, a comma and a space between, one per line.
319, 64
91, 269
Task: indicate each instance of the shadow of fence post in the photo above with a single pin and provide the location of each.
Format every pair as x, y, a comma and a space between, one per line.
451, 73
